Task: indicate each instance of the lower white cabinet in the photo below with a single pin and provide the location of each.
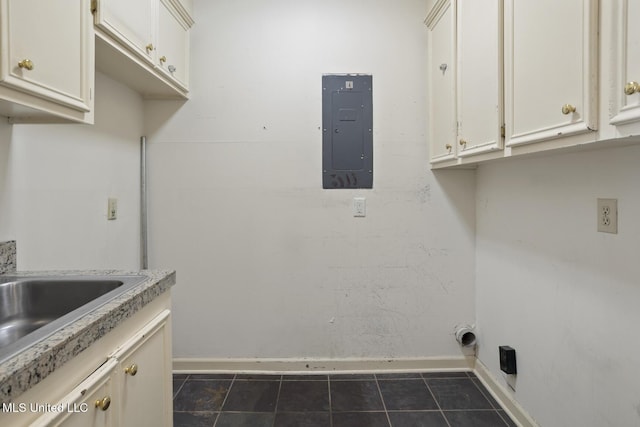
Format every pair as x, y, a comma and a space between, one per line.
144, 377
132, 388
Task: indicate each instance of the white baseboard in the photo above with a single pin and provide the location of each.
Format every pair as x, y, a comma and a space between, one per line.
321, 366
354, 366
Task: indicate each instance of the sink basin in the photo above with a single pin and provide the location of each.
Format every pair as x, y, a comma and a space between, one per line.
32, 308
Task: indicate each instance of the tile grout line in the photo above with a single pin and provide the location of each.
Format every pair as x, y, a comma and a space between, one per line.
180, 388
330, 406
275, 408
233, 380
384, 405
436, 400
473, 380
475, 383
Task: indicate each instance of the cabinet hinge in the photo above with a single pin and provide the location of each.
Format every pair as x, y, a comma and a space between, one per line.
94, 6
502, 131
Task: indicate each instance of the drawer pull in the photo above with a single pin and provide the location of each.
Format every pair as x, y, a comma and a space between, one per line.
149, 47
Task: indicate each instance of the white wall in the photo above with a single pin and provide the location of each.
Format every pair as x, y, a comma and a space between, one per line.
269, 264
55, 181
563, 295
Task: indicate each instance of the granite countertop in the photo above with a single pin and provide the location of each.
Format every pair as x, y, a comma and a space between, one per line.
27, 368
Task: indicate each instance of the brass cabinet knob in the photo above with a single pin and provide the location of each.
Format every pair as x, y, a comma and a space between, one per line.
568, 109
103, 403
149, 47
448, 147
131, 370
463, 142
26, 64
631, 88
163, 59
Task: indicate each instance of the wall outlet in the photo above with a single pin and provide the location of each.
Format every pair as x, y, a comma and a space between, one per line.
608, 215
507, 360
112, 208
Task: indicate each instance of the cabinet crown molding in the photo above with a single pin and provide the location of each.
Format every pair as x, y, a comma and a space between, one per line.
182, 12
436, 12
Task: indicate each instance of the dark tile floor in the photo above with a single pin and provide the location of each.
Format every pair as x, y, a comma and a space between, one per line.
448, 399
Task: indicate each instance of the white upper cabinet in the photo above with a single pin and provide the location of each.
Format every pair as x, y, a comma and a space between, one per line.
132, 23
144, 44
551, 69
625, 100
442, 75
46, 61
479, 86
173, 43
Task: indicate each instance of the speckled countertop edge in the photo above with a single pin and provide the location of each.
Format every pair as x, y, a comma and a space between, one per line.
35, 363
7, 256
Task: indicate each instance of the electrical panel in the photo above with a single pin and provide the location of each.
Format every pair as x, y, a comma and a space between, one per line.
347, 137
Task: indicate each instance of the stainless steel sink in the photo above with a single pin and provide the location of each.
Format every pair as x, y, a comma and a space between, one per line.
32, 308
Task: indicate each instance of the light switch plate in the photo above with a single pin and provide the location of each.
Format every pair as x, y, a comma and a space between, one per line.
359, 207
112, 208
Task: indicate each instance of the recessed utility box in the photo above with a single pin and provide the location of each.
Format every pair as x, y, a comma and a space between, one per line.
347, 131
508, 360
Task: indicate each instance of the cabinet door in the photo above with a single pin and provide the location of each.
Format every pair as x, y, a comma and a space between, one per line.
144, 376
442, 120
132, 23
173, 44
626, 97
88, 405
551, 69
480, 106
47, 51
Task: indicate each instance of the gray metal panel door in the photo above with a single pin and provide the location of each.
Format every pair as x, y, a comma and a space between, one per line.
347, 141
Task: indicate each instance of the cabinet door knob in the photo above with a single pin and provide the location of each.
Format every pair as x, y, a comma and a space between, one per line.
163, 59
463, 142
448, 147
568, 109
149, 47
131, 370
103, 403
631, 88
26, 64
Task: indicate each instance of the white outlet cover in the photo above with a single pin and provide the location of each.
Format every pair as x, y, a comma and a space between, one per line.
608, 216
